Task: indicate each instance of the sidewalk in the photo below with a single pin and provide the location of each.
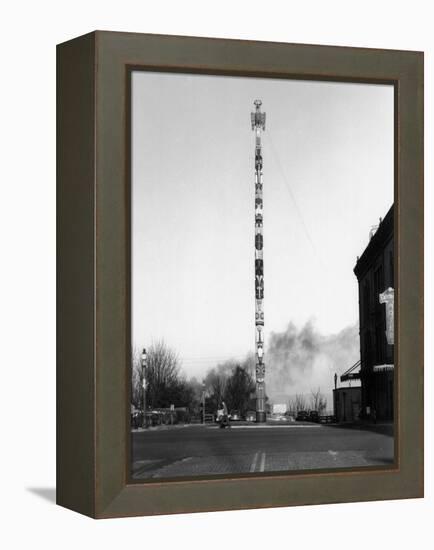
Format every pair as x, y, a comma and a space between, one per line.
166, 427
384, 428
238, 424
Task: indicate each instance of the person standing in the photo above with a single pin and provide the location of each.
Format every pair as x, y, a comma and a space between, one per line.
224, 417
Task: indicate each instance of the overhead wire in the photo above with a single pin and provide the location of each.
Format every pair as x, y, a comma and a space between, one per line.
294, 201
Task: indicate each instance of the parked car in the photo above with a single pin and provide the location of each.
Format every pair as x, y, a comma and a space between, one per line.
277, 417
251, 416
302, 416
235, 415
313, 416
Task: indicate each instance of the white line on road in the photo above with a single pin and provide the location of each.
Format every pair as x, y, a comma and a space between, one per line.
262, 465
253, 465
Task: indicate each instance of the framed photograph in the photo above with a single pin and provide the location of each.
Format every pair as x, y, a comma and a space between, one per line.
240, 274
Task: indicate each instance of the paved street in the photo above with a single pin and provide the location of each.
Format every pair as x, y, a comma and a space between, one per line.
204, 450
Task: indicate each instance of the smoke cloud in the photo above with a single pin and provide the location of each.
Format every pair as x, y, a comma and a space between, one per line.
301, 360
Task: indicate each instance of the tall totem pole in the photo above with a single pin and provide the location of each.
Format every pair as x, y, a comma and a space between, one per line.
258, 124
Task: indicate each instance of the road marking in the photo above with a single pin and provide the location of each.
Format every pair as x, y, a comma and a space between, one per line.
262, 465
253, 465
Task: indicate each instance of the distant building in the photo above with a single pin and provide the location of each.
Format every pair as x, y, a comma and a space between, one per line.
279, 408
375, 273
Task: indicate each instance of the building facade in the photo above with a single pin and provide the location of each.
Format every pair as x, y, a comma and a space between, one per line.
375, 273
347, 404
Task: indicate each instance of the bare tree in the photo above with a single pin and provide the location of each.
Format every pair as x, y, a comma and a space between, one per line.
292, 408
136, 378
164, 383
300, 402
231, 382
215, 383
249, 364
239, 388
317, 401
163, 378
196, 390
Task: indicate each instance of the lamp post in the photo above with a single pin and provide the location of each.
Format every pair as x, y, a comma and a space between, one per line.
143, 362
203, 403
335, 397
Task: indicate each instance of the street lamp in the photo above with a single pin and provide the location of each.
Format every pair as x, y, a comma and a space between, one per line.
203, 403
143, 361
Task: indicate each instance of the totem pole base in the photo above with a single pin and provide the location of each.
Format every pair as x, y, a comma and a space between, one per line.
261, 417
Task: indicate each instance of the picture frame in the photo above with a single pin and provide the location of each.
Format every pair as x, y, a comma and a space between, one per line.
94, 262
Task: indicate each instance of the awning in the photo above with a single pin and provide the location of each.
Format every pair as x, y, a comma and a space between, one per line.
353, 373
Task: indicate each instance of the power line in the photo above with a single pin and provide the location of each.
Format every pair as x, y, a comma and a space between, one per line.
292, 196
210, 359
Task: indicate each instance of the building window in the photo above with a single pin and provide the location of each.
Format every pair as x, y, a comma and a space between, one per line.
365, 306
378, 284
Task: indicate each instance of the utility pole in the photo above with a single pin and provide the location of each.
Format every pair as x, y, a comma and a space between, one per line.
258, 124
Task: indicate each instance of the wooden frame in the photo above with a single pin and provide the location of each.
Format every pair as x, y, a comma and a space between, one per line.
93, 271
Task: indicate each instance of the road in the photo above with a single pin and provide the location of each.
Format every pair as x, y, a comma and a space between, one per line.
207, 450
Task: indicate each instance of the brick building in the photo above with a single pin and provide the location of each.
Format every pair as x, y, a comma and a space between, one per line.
375, 273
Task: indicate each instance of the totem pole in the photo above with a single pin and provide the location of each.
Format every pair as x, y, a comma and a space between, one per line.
258, 124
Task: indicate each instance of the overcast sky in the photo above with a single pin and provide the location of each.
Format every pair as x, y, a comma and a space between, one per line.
328, 177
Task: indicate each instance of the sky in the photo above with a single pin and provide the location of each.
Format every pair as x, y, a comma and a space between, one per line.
328, 178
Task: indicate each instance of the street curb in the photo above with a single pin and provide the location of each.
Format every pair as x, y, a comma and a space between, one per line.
268, 426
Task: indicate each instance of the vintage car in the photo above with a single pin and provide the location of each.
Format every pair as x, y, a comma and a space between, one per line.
302, 416
313, 416
251, 416
235, 415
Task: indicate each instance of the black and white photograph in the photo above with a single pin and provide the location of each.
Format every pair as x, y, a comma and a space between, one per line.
262, 275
